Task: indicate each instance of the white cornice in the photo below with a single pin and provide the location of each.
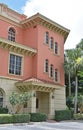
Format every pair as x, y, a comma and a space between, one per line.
17, 47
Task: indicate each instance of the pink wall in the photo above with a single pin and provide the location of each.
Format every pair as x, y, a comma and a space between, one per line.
4, 26
30, 37
33, 66
4, 65
44, 52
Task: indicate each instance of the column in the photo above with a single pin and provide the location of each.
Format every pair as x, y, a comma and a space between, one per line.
33, 101
51, 106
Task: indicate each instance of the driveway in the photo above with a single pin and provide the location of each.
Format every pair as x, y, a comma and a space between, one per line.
65, 125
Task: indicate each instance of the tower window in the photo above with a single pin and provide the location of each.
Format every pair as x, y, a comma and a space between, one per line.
51, 70
46, 38
46, 65
11, 34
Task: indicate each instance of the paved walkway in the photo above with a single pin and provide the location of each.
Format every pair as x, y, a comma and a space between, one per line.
66, 125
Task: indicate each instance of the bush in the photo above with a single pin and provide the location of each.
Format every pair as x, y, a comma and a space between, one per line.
21, 118
78, 116
37, 117
3, 110
63, 115
5, 118
14, 118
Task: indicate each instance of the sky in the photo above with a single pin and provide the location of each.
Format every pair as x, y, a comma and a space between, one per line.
68, 13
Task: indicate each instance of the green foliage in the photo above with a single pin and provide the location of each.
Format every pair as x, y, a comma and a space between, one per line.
5, 118
14, 118
13, 99
37, 117
21, 118
16, 98
24, 97
69, 102
3, 110
63, 115
78, 116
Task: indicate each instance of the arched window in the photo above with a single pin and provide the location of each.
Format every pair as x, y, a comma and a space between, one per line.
11, 34
1, 99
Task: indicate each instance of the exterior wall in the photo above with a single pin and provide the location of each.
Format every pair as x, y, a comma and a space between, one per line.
60, 99
33, 66
44, 52
4, 65
7, 86
4, 26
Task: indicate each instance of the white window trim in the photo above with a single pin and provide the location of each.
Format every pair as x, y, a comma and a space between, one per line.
50, 73
45, 66
22, 65
50, 43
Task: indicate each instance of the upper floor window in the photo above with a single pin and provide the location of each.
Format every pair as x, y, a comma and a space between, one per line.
56, 75
46, 65
56, 48
51, 43
15, 64
51, 70
46, 37
1, 99
11, 34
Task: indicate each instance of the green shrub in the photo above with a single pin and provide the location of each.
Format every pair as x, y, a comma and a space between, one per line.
63, 115
3, 110
21, 118
5, 118
14, 118
78, 116
38, 117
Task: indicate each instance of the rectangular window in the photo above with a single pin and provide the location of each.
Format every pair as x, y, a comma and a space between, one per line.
56, 75
46, 65
51, 70
46, 37
51, 43
56, 48
15, 64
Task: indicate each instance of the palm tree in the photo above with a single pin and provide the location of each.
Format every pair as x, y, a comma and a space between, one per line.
77, 62
73, 61
68, 67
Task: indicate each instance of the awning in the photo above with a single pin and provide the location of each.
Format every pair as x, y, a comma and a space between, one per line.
36, 84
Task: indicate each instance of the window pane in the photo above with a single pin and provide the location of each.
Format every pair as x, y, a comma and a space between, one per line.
46, 65
51, 43
51, 70
11, 34
15, 64
55, 48
47, 37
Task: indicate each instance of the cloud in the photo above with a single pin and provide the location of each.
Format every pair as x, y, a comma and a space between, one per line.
68, 13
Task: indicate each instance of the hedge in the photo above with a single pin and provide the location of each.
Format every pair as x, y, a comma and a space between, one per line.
14, 118
3, 110
63, 115
78, 116
38, 117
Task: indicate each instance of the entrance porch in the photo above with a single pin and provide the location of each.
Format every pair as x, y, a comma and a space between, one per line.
42, 96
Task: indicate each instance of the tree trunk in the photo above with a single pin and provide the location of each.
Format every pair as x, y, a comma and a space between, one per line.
76, 95
69, 85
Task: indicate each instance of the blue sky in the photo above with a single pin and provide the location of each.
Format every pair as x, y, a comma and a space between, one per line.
14, 4
68, 13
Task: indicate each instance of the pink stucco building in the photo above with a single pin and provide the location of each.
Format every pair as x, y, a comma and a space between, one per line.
32, 59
